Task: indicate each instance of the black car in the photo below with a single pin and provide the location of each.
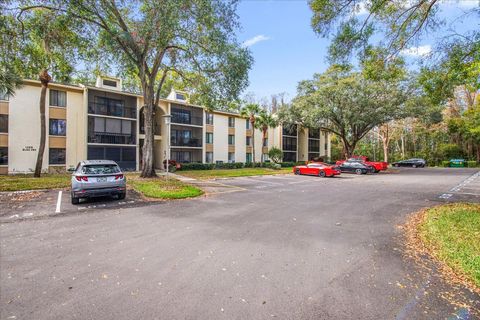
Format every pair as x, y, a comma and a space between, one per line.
414, 163
354, 167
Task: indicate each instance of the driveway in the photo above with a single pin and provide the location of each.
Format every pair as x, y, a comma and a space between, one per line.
286, 247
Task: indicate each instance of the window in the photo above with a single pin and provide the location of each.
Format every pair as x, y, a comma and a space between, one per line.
231, 122
248, 157
181, 116
3, 96
249, 141
56, 156
58, 127
231, 139
58, 98
3, 155
265, 157
289, 156
265, 142
313, 145
290, 130
126, 157
180, 96
4, 123
109, 130
110, 83
231, 157
209, 157
314, 133
208, 137
112, 105
289, 143
247, 123
209, 118
182, 156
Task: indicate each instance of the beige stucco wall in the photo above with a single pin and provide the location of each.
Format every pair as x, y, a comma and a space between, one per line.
240, 140
220, 138
76, 128
302, 144
24, 130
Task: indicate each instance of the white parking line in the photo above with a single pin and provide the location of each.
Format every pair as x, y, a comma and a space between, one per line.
59, 202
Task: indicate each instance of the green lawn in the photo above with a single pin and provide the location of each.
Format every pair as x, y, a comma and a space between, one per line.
230, 173
161, 188
153, 188
28, 182
452, 233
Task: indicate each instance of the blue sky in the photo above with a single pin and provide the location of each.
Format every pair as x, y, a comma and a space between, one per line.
286, 50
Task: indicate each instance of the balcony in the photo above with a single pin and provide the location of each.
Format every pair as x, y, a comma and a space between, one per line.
156, 130
111, 138
197, 121
186, 142
112, 110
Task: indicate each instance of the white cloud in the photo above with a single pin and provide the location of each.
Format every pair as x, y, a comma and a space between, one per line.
258, 38
418, 51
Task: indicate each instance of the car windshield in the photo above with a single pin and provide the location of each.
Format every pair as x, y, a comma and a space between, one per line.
315, 165
101, 169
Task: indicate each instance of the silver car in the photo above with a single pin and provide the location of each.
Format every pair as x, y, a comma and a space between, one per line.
97, 178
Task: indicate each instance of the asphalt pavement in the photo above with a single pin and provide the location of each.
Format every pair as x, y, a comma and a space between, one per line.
286, 247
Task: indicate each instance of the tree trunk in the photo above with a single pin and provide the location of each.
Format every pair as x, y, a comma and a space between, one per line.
44, 79
385, 149
148, 169
252, 122
348, 148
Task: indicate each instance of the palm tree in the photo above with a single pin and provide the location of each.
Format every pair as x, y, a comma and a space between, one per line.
265, 121
9, 82
251, 111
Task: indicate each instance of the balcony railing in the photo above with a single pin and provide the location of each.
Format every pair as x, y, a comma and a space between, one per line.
190, 142
112, 138
110, 110
198, 121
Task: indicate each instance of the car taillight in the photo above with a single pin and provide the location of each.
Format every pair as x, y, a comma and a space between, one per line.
119, 176
81, 178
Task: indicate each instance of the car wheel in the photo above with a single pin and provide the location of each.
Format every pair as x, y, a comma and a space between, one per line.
121, 196
414, 166
75, 200
358, 171
297, 171
373, 170
321, 174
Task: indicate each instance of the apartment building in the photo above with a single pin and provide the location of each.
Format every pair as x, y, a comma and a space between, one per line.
105, 122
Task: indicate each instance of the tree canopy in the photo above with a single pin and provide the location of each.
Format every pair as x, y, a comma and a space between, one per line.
348, 104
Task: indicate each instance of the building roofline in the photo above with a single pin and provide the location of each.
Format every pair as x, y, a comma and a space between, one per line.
56, 84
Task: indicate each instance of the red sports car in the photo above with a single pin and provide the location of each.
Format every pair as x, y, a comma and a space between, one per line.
376, 165
317, 169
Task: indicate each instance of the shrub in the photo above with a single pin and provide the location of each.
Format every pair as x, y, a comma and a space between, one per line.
275, 154
287, 164
471, 164
227, 165
198, 166
445, 163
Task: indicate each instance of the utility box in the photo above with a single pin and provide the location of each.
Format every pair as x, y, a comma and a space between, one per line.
457, 163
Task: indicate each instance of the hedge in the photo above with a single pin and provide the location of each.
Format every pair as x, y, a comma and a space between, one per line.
472, 164
445, 163
237, 165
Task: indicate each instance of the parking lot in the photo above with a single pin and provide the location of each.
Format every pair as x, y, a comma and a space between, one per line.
287, 247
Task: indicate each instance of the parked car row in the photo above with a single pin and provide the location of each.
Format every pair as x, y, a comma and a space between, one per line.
356, 164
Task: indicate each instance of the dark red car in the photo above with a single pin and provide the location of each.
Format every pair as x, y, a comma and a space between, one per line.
316, 169
377, 166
